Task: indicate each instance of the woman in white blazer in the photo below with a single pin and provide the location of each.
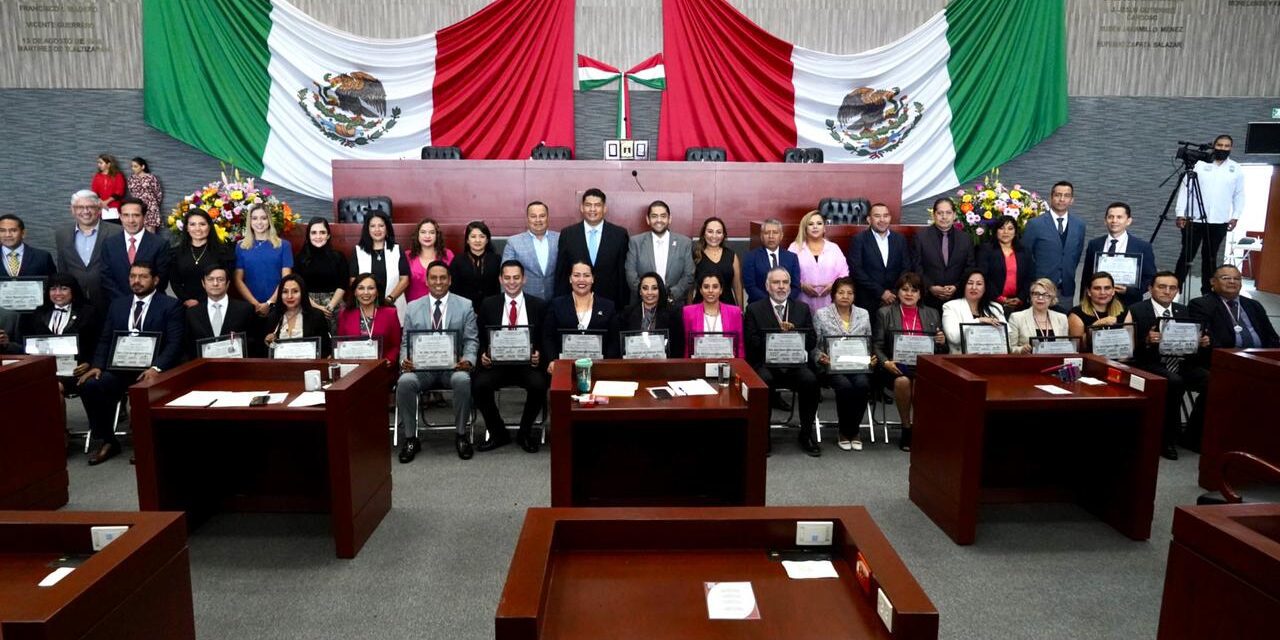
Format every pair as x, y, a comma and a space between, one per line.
977, 305
1038, 320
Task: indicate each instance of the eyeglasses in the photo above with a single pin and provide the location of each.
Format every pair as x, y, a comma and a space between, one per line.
1040, 294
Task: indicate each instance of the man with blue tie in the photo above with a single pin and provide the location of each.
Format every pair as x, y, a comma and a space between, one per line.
1056, 242
134, 245
877, 257
536, 249
755, 269
599, 243
1119, 241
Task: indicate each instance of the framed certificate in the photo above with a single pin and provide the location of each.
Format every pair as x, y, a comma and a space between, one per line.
229, 346
357, 348
644, 344
1114, 342
785, 348
295, 349
980, 338
64, 348
575, 344
510, 345
435, 350
1125, 268
1179, 337
908, 345
134, 350
1054, 344
713, 345
849, 354
24, 293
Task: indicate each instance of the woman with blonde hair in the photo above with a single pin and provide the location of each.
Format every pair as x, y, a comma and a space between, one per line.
1040, 320
821, 262
262, 258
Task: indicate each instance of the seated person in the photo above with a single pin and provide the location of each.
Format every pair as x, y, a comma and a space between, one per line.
102, 388
1099, 308
976, 304
1040, 320
710, 315
436, 311
652, 313
217, 314
842, 318
511, 308
294, 317
580, 310
905, 315
368, 315
66, 311
780, 312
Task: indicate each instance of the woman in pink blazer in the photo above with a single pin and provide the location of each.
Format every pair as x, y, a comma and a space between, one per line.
367, 314
711, 315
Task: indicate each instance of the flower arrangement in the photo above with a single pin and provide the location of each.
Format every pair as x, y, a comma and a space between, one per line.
979, 209
228, 202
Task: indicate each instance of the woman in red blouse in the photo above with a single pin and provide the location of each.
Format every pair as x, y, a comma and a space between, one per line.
367, 314
1006, 265
108, 182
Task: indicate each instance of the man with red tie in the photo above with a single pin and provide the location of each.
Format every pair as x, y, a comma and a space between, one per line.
134, 245
508, 310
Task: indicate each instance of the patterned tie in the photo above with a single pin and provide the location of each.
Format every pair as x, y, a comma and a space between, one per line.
1171, 363
593, 244
137, 315
1243, 338
512, 315
781, 310
1111, 251
436, 317
217, 318
133, 248
14, 263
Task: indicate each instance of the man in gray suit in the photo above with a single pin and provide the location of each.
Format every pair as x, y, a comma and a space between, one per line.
661, 251
78, 247
440, 310
536, 251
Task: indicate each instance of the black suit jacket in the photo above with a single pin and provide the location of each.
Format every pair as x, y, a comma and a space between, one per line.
164, 316
927, 259
561, 315
492, 312
237, 318
610, 268
990, 259
469, 282
759, 318
1210, 311
35, 263
1135, 245
1143, 316
84, 323
314, 325
666, 318
870, 274
115, 263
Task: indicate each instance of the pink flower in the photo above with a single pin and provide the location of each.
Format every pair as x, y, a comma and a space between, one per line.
979, 231
959, 225
266, 192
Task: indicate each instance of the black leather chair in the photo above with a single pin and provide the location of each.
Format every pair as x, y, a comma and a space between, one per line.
441, 153
1264, 488
844, 211
806, 155
705, 154
551, 153
357, 208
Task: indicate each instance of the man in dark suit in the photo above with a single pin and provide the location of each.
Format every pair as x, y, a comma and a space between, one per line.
942, 255
511, 308
1056, 241
599, 243
78, 247
135, 244
770, 254
18, 260
780, 312
1119, 241
1148, 317
218, 314
101, 388
877, 257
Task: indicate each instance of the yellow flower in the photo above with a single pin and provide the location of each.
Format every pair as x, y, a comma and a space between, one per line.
1015, 194
987, 215
237, 195
989, 194
222, 233
968, 197
1026, 211
218, 203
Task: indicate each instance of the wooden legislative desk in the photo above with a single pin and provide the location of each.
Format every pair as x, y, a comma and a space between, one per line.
640, 573
642, 451
497, 191
1223, 577
331, 458
1240, 410
984, 433
33, 435
138, 586
841, 234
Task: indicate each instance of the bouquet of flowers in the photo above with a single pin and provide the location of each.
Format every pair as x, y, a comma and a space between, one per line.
228, 202
978, 210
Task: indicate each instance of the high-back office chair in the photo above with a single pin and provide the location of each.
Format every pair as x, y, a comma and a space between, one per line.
542, 152
441, 153
844, 210
705, 154
357, 208
808, 155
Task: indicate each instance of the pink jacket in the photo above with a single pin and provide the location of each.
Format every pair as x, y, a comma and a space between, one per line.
418, 275
386, 325
730, 320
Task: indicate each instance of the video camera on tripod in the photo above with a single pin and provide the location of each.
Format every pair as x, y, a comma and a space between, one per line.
1192, 152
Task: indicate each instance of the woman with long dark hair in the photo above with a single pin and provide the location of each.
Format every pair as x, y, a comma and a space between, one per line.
475, 270
426, 246
712, 255
977, 304
378, 254
650, 312
1008, 267
198, 247
368, 315
145, 186
109, 183
324, 269
905, 316
292, 316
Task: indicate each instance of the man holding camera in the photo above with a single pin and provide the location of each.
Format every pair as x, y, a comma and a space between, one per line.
1222, 190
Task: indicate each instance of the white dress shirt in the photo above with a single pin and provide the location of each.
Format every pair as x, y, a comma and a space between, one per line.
58, 321
1222, 187
882, 243
444, 311
541, 249
522, 316
1122, 242
146, 308
661, 247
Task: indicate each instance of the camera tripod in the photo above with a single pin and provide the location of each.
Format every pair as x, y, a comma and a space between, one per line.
1193, 212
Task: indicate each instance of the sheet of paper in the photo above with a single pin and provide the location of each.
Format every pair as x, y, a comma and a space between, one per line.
308, 399
731, 601
809, 569
1055, 390
277, 398
695, 387
55, 576
236, 398
5, 363
1091, 381
195, 399
615, 388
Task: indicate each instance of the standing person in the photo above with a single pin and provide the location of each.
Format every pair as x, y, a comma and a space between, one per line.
713, 316
942, 254
652, 311
536, 248
1098, 308
145, 186
199, 248
977, 304
324, 269
78, 247
711, 255
905, 315
877, 257
512, 308
1006, 264
262, 258
581, 310
134, 244
475, 272
843, 318
218, 314
780, 313
426, 247
662, 251
378, 254
821, 262
293, 316
765, 257
1039, 320
109, 184
1056, 241
18, 260
599, 243
1118, 240
368, 315
1222, 189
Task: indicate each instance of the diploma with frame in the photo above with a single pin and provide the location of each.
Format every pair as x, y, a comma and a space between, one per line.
1125, 268
785, 348
63, 348
24, 293
295, 349
434, 350
581, 343
908, 345
714, 345
231, 345
357, 347
1179, 337
644, 344
980, 338
1114, 342
849, 354
134, 350
510, 345
1054, 344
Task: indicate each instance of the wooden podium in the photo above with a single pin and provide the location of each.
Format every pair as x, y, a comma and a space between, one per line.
138, 586
640, 573
330, 458
1241, 409
985, 433
33, 435
642, 451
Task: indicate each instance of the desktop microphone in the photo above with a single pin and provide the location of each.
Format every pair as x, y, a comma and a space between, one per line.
636, 177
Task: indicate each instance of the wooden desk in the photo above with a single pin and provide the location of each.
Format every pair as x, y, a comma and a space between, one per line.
139, 586
1240, 410
273, 458
639, 573
641, 451
841, 234
1223, 577
984, 433
33, 435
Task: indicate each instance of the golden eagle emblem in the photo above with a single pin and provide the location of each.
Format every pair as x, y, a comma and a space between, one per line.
349, 108
872, 122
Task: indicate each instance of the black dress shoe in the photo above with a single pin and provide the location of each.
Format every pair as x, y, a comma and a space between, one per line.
107, 452
904, 440
409, 449
464, 447
1169, 452
809, 445
527, 442
494, 441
